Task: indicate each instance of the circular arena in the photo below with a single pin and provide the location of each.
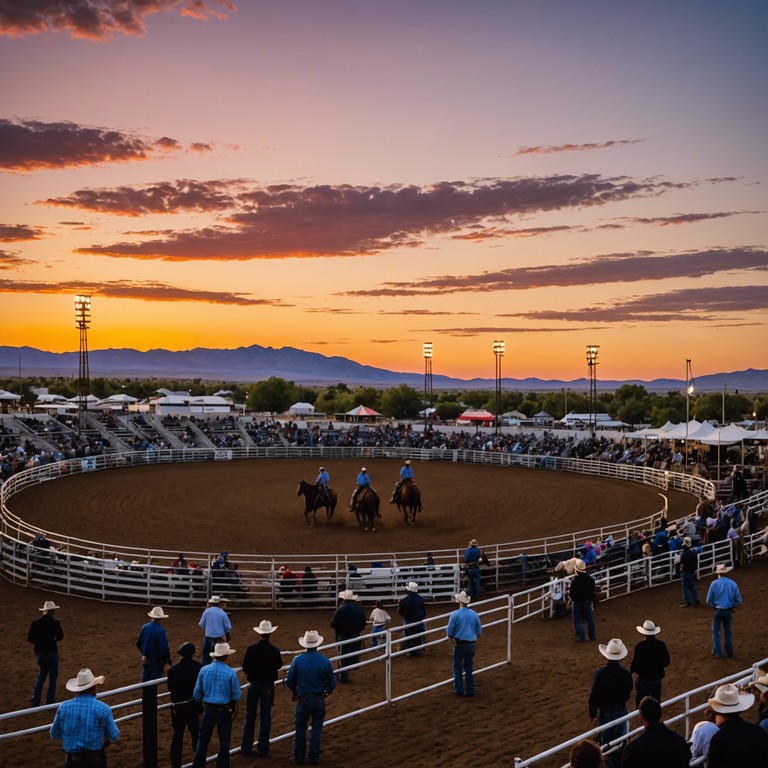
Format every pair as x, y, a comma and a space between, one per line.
251, 507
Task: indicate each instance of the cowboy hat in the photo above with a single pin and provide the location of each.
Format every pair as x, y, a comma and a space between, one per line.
214, 600
412, 586
187, 649
322, 469
265, 627
727, 699
613, 650
84, 681
687, 541
473, 543
311, 639
347, 594
408, 461
49, 605
723, 568
220, 650
363, 469
157, 613
648, 628
580, 566
462, 598
761, 684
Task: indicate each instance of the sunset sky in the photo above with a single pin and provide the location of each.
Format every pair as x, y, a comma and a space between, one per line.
355, 178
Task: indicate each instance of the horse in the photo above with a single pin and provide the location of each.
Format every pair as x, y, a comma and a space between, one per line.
366, 508
314, 500
409, 501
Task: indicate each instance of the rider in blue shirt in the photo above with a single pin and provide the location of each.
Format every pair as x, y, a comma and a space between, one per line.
323, 479
363, 481
406, 476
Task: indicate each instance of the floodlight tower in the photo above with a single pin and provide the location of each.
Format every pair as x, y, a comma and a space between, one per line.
498, 352
427, 347
592, 397
689, 390
83, 320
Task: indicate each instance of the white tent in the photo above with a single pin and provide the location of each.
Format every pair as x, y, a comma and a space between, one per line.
727, 435
302, 409
5, 395
120, 398
209, 404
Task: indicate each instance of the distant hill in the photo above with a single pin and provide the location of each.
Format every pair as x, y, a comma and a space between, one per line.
254, 363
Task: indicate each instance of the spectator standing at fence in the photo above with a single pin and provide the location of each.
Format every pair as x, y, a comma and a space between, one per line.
472, 566
413, 610
309, 583
649, 662
153, 644
378, 620
586, 754
464, 628
84, 724
218, 690
689, 568
761, 686
311, 680
657, 745
261, 664
737, 742
185, 713
45, 633
723, 597
611, 689
582, 594
348, 622
216, 626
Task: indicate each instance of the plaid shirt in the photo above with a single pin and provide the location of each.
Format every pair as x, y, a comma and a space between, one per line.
84, 723
217, 683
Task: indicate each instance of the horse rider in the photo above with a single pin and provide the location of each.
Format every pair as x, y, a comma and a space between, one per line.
322, 484
406, 476
363, 481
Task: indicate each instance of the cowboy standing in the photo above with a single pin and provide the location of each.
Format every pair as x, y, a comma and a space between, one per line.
689, 566
311, 680
463, 629
218, 690
185, 714
216, 626
611, 689
153, 644
723, 596
472, 565
737, 742
321, 483
582, 594
348, 621
657, 744
649, 661
413, 610
406, 476
44, 634
84, 724
261, 664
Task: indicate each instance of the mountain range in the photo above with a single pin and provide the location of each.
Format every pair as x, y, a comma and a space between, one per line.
255, 363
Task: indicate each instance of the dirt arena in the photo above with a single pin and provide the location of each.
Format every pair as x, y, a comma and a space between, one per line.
525, 707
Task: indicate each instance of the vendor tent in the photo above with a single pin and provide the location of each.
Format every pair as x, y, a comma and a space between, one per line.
475, 416
360, 414
302, 409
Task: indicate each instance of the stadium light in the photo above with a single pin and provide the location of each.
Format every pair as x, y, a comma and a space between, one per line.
592, 351
83, 320
498, 351
427, 348
689, 390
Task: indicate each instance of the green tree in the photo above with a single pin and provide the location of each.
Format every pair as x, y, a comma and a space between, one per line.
447, 411
476, 398
367, 396
273, 395
633, 411
401, 402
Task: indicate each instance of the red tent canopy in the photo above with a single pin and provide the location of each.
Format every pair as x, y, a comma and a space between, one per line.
473, 414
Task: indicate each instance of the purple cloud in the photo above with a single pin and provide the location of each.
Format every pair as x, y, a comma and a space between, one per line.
12, 233
541, 150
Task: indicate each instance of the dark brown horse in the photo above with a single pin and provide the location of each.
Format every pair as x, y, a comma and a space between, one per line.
314, 499
366, 508
409, 502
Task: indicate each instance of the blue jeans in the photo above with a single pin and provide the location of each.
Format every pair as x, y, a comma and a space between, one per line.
309, 709
48, 665
151, 670
259, 699
473, 582
724, 617
690, 594
374, 639
413, 645
610, 734
209, 644
348, 654
582, 612
220, 718
184, 717
463, 662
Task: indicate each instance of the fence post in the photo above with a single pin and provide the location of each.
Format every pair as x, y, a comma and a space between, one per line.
149, 725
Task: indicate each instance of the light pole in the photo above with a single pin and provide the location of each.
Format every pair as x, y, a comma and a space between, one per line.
592, 397
689, 389
565, 407
427, 381
498, 351
83, 320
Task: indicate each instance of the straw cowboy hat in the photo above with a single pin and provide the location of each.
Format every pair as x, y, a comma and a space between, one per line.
727, 699
648, 628
221, 650
157, 613
473, 543
347, 594
265, 627
49, 605
462, 598
722, 569
687, 541
613, 650
580, 566
311, 639
412, 586
214, 600
761, 684
84, 681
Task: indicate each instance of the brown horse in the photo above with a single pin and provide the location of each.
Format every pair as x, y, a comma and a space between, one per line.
366, 508
314, 500
409, 502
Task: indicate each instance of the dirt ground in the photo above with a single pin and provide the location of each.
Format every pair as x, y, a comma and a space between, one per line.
535, 702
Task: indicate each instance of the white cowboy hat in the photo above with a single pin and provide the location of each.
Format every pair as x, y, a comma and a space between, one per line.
648, 628
412, 586
322, 469
363, 469
614, 650
214, 600
473, 543
462, 598
265, 627
220, 650
49, 605
580, 566
84, 681
408, 461
347, 594
723, 568
157, 613
687, 541
727, 699
761, 684
311, 639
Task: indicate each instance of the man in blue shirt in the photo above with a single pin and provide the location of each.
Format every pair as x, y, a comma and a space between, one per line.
84, 724
153, 644
310, 679
216, 626
723, 596
218, 690
463, 628
321, 483
363, 481
472, 564
406, 476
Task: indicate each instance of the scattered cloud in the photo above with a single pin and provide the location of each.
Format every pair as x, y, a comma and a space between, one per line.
332, 311
11, 260
548, 150
425, 312
676, 219
98, 20
503, 329
13, 233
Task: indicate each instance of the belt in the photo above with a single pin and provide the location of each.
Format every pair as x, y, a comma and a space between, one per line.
216, 707
312, 696
86, 756
726, 608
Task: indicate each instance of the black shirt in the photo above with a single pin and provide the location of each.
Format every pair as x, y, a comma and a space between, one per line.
657, 746
650, 658
262, 662
611, 687
349, 619
43, 634
412, 608
582, 588
182, 677
738, 744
